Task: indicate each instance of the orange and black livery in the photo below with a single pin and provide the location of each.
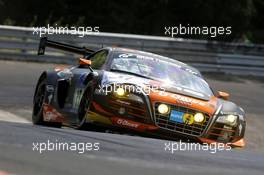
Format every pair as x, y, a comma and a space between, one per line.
136, 91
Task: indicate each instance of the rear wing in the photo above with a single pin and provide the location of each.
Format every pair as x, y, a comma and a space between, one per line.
44, 42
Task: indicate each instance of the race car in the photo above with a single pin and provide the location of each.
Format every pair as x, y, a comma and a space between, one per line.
135, 91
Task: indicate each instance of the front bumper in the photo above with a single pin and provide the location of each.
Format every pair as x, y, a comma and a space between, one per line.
143, 117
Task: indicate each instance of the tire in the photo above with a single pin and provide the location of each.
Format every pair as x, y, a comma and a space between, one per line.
39, 98
83, 108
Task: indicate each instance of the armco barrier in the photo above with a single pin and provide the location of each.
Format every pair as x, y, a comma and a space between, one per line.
19, 43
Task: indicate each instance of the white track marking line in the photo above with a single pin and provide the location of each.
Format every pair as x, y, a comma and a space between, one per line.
9, 117
4, 173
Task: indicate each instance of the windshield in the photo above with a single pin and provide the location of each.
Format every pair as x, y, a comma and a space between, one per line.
156, 68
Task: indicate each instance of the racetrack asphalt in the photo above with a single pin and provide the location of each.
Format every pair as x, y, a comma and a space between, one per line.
118, 154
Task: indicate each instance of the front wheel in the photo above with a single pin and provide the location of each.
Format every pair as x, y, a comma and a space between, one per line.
84, 108
39, 99
37, 114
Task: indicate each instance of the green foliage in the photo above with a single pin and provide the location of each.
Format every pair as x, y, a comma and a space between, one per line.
140, 17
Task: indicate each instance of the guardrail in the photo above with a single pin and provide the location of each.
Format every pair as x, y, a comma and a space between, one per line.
19, 43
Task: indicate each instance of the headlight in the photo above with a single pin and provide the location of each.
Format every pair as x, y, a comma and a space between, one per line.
227, 119
163, 109
199, 117
231, 118
120, 92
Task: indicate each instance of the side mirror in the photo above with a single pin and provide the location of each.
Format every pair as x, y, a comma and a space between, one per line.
223, 95
84, 62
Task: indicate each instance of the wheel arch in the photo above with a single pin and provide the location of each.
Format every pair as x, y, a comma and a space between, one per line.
50, 77
41, 77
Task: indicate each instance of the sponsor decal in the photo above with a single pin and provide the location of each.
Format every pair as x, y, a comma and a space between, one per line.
126, 55
127, 123
182, 99
50, 114
131, 124
50, 88
188, 119
177, 116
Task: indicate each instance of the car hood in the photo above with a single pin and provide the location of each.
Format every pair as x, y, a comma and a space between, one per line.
123, 78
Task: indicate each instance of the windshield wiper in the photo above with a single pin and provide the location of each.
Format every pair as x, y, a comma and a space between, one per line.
131, 73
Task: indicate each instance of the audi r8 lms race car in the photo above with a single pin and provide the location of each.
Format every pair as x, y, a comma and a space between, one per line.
137, 91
